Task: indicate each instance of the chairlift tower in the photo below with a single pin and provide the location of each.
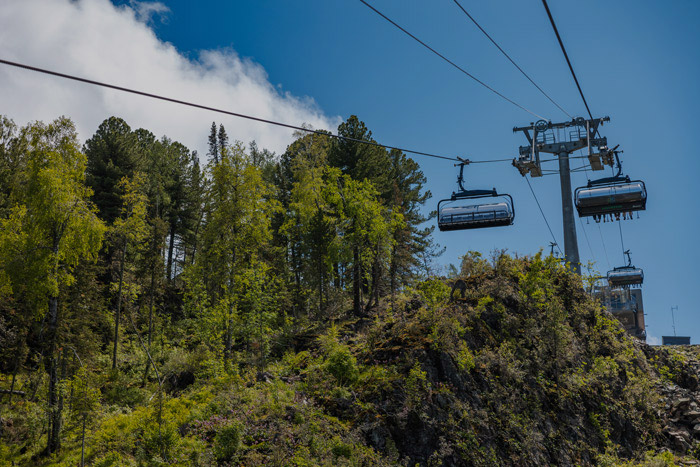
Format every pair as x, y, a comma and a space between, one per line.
545, 137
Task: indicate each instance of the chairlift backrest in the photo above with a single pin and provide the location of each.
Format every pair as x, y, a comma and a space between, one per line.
474, 216
625, 276
612, 197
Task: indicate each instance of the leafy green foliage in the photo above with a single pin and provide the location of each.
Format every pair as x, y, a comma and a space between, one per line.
281, 311
227, 441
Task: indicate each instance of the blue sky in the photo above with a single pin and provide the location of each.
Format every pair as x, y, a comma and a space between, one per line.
637, 61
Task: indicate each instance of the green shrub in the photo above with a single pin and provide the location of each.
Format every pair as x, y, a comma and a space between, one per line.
433, 291
465, 358
415, 386
159, 442
341, 449
113, 459
121, 391
228, 441
342, 365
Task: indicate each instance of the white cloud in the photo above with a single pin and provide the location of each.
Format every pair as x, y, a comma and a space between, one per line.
96, 40
146, 11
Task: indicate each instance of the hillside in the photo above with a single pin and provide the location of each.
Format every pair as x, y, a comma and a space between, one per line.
525, 370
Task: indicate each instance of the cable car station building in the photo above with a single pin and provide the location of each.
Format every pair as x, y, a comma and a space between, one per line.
626, 305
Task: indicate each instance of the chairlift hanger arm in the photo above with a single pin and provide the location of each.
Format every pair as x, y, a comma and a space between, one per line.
460, 177
617, 159
629, 258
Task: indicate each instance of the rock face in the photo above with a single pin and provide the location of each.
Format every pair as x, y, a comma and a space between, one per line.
525, 370
679, 389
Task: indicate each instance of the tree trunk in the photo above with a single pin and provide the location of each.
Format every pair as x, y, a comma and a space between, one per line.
336, 276
82, 442
54, 426
59, 412
171, 247
196, 236
228, 337
150, 320
297, 282
53, 441
117, 315
374, 291
320, 285
392, 278
356, 285
261, 342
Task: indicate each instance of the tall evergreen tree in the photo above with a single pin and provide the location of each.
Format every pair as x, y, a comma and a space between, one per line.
223, 138
309, 152
411, 241
112, 154
361, 162
177, 215
213, 144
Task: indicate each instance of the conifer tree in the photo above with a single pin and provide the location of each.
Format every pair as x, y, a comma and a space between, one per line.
213, 144
112, 154
361, 162
308, 153
223, 139
407, 197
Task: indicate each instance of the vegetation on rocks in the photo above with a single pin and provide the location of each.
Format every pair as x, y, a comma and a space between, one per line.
279, 311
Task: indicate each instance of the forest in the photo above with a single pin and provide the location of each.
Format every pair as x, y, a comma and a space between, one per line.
129, 243
158, 307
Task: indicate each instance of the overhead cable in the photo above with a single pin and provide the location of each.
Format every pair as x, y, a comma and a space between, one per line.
240, 115
602, 240
543, 216
587, 241
622, 240
213, 109
563, 49
451, 62
510, 59
583, 98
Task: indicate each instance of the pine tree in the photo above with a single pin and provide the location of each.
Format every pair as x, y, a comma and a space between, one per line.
361, 162
112, 154
308, 152
213, 144
223, 139
411, 241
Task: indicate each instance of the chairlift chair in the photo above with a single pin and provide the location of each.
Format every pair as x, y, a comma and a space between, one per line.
626, 276
612, 197
457, 213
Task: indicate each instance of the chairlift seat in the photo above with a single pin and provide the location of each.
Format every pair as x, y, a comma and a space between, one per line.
625, 276
475, 216
610, 198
